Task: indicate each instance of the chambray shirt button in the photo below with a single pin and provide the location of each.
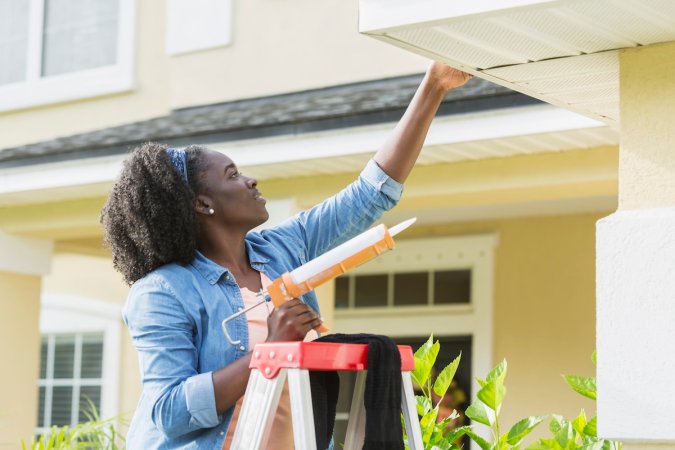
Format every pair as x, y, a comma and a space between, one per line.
222, 433
240, 308
242, 348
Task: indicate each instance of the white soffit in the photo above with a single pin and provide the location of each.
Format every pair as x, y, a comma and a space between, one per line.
489, 134
564, 52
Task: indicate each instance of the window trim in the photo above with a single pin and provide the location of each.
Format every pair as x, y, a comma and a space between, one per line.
474, 319
70, 314
36, 90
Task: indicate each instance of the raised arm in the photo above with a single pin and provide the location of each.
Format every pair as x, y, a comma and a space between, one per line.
398, 154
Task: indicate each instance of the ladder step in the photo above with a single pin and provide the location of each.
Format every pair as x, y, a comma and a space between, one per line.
270, 357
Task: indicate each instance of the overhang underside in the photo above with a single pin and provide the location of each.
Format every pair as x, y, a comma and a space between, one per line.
564, 52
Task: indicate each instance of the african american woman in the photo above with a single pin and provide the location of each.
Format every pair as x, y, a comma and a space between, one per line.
179, 221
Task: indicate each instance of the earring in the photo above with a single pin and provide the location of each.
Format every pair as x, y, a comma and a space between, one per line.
211, 211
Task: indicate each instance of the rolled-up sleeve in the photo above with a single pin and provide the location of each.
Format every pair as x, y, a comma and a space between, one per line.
377, 178
183, 400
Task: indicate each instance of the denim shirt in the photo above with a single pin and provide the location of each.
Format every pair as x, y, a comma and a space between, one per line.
174, 315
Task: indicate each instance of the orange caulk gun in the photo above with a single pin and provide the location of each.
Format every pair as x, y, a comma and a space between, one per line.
335, 262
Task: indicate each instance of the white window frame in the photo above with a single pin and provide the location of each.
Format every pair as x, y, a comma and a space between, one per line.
37, 90
447, 253
69, 314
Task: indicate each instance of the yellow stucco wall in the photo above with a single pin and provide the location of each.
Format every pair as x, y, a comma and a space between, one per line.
274, 50
647, 167
544, 307
19, 353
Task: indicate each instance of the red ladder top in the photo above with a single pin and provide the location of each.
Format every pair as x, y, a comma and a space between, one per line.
270, 357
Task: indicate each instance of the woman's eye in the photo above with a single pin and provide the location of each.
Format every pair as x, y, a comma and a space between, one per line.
235, 174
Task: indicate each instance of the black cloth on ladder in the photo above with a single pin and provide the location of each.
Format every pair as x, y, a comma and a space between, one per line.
382, 396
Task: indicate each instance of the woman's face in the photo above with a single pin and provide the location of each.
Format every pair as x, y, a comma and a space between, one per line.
236, 201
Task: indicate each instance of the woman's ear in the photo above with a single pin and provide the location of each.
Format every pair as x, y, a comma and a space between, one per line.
204, 205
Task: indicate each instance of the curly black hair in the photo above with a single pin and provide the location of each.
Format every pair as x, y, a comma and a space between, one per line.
149, 218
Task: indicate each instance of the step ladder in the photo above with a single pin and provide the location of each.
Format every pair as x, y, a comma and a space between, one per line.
273, 362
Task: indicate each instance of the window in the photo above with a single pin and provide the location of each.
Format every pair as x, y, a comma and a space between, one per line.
436, 285
425, 288
79, 360
58, 50
71, 378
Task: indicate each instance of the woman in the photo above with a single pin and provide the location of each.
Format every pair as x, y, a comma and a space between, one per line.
179, 225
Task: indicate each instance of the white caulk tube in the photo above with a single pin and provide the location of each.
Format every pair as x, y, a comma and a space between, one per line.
338, 254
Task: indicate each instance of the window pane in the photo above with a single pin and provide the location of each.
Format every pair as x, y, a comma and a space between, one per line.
41, 407
79, 35
92, 356
89, 395
62, 401
371, 290
13, 40
342, 292
64, 356
411, 288
452, 286
43, 357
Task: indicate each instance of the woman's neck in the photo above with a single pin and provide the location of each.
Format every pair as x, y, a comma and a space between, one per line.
225, 249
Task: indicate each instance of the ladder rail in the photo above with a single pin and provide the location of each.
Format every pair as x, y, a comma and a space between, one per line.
409, 408
302, 412
261, 400
356, 425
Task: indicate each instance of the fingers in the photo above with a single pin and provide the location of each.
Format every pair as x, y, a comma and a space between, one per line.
292, 321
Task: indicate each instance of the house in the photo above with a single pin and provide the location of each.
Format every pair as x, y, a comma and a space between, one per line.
613, 61
501, 263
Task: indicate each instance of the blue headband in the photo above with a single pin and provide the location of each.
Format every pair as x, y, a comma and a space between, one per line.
178, 158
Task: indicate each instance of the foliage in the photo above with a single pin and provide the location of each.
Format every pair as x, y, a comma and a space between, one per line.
436, 434
486, 408
94, 434
577, 434
580, 433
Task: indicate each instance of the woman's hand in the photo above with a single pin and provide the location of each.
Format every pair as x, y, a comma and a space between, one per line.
446, 77
291, 321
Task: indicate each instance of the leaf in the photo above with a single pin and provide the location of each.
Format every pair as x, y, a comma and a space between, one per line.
428, 424
444, 379
425, 357
591, 428
583, 385
594, 357
565, 435
423, 405
522, 428
481, 382
597, 445
455, 434
482, 443
477, 411
557, 422
498, 373
492, 394
544, 444
580, 422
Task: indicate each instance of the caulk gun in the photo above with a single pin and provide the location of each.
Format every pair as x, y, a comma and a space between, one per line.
331, 264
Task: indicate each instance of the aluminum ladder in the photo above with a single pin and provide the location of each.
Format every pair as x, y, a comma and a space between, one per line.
273, 362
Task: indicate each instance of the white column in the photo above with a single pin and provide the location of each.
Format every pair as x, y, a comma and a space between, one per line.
636, 261
22, 263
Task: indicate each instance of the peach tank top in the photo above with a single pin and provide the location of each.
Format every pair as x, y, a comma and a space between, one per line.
281, 437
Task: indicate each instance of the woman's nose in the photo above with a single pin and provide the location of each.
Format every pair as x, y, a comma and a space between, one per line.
252, 182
